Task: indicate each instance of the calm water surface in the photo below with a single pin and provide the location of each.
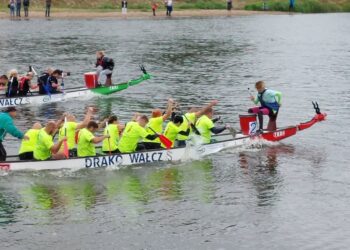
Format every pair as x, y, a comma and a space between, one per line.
290, 195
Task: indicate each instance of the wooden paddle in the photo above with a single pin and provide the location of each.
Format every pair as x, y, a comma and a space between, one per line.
65, 144
109, 142
167, 143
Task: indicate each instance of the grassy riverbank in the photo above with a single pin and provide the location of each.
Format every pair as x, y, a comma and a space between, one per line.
303, 6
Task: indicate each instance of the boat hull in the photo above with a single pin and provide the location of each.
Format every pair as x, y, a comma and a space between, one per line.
115, 161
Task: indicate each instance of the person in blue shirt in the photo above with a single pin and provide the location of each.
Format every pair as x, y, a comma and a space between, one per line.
7, 126
270, 102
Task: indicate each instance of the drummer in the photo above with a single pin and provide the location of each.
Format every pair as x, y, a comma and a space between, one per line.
104, 68
270, 102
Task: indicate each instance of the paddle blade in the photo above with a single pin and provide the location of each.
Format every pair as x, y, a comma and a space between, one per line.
65, 149
166, 142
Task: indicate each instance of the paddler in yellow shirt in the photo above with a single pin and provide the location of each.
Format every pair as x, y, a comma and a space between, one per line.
87, 140
173, 129
110, 145
191, 116
70, 127
156, 123
45, 148
206, 127
27, 146
133, 133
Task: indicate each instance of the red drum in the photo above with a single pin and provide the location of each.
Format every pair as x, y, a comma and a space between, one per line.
91, 80
248, 124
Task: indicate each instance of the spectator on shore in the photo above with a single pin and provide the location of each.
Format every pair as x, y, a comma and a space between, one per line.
12, 7
154, 8
18, 8
48, 8
229, 5
169, 7
291, 5
26, 7
124, 7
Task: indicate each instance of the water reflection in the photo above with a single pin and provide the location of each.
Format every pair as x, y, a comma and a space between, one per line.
48, 197
261, 167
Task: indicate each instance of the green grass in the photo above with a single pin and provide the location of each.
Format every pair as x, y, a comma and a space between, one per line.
303, 6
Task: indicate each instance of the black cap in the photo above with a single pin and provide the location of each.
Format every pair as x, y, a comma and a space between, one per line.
10, 109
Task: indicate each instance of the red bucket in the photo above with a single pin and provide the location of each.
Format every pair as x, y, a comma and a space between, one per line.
91, 80
248, 124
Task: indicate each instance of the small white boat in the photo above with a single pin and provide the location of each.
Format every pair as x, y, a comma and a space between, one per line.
69, 93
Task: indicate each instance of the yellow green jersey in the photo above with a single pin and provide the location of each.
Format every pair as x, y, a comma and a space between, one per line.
70, 127
133, 132
42, 149
29, 145
85, 145
111, 144
204, 126
156, 124
171, 132
192, 118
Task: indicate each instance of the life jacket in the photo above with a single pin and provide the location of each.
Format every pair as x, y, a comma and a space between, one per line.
274, 106
105, 63
22, 82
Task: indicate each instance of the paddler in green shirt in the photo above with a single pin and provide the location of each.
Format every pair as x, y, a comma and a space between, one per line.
192, 115
206, 127
87, 140
156, 123
110, 145
71, 127
133, 133
45, 148
27, 146
173, 129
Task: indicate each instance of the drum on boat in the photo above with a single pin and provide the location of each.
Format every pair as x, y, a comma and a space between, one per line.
248, 124
91, 80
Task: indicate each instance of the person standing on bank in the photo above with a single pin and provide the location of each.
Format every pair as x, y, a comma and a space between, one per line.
12, 8
7, 126
48, 8
18, 8
104, 66
154, 8
26, 7
124, 7
169, 7
229, 5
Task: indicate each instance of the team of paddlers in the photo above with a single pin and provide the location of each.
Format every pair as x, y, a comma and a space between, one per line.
78, 139
14, 85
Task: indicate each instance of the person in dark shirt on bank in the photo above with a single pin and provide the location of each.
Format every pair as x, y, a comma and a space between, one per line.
48, 8
26, 7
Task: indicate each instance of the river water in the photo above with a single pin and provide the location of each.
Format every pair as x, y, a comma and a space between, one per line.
289, 195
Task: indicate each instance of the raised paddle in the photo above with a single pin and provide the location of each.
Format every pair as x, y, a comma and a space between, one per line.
65, 144
167, 143
109, 142
194, 128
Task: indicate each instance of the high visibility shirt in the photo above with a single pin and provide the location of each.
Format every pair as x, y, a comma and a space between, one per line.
171, 132
68, 129
42, 149
85, 145
204, 126
111, 144
192, 118
156, 124
133, 132
29, 145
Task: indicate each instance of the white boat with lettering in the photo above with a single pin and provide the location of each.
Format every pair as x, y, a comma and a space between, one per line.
70, 93
192, 151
